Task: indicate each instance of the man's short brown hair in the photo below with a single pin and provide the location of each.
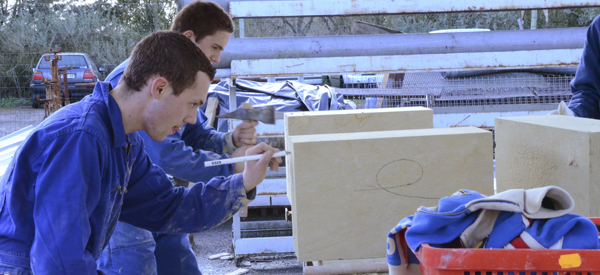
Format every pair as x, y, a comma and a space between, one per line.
167, 54
204, 18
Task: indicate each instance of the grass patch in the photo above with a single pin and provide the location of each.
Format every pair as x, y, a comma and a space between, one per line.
13, 101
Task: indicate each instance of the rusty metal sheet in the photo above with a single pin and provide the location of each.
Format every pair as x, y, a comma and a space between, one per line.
403, 63
248, 9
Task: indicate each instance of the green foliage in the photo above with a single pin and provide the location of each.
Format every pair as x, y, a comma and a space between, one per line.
106, 31
13, 101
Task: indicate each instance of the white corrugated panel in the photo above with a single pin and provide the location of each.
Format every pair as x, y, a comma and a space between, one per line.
8, 146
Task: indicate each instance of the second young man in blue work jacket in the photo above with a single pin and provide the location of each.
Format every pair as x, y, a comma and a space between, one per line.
134, 250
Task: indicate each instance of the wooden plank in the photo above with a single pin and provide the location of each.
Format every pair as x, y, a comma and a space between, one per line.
379, 102
275, 8
386, 77
349, 121
211, 110
266, 246
537, 151
350, 189
347, 268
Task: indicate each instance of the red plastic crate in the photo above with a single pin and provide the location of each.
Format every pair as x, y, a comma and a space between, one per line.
462, 261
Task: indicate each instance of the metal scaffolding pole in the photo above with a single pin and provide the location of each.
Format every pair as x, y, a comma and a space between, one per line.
406, 63
401, 44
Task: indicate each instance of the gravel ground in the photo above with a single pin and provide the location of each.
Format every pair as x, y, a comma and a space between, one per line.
219, 240
16, 118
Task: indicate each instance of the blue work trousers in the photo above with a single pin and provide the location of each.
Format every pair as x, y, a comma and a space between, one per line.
12, 270
133, 250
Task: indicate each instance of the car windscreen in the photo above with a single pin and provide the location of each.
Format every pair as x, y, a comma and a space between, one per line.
78, 61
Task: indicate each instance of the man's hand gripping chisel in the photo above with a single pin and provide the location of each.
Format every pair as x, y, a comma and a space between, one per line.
240, 159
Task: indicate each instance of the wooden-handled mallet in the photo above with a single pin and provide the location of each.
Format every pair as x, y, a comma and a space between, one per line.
247, 113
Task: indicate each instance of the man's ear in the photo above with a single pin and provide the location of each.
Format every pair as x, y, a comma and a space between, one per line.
159, 87
190, 35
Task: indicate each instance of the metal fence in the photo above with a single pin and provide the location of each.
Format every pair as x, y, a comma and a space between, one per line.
416, 89
433, 90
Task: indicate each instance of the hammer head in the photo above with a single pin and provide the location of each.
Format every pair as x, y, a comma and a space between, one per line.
264, 115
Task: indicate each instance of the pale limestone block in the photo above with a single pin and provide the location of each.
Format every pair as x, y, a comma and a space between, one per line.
351, 189
563, 151
351, 121
354, 121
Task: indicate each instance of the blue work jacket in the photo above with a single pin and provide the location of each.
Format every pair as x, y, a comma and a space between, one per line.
183, 153
500, 221
586, 84
78, 173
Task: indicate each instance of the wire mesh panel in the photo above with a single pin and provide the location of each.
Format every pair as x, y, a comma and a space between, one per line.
434, 90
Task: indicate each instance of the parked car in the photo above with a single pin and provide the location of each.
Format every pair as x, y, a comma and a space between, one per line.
84, 71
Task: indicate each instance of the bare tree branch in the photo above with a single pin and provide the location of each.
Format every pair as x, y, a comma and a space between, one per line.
307, 26
285, 21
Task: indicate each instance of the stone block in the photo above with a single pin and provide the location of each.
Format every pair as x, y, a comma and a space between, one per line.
563, 151
351, 121
350, 189
354, 121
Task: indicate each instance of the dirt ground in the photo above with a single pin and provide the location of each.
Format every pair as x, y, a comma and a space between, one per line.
219, 239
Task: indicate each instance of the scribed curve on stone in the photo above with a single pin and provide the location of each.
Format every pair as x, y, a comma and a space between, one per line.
387, 177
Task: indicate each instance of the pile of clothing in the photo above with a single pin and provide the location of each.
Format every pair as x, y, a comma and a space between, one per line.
538, 218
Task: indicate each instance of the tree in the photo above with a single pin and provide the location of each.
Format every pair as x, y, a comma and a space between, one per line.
106, 31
